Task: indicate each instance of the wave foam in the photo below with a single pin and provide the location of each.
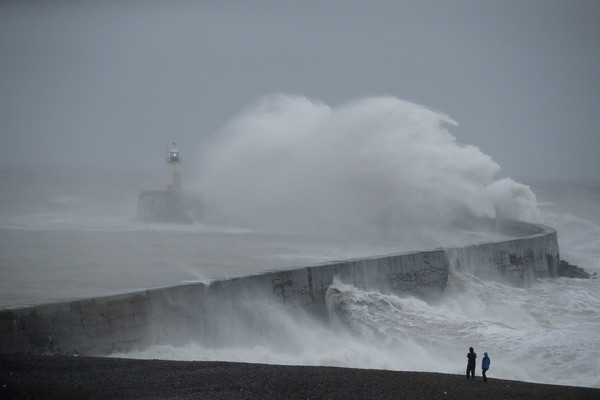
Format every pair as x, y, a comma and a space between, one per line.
371, 166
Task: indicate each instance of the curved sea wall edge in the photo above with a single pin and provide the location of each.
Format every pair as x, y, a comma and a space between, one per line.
214, 313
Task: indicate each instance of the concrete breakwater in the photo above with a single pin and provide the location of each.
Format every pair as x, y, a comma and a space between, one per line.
212, 313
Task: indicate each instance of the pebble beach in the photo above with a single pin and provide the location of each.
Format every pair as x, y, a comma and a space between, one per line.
26, 376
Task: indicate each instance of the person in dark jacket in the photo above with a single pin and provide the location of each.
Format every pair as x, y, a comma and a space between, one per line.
485, 365
471, 357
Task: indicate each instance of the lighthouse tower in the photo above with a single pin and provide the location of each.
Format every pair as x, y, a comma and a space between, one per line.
171, 205
174, 166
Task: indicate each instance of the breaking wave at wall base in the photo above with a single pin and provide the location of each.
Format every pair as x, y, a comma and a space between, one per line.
369, 329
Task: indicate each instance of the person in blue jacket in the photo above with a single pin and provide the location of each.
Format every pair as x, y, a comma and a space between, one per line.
485, 365
471, 357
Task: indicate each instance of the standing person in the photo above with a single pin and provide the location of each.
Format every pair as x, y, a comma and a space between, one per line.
485, 365
471, 357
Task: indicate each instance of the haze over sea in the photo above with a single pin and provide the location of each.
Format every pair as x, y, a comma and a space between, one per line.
291, 181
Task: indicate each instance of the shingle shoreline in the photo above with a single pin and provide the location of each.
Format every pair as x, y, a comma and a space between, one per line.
25, 376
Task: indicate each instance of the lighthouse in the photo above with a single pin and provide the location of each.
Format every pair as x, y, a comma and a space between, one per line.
174, 166
172, 205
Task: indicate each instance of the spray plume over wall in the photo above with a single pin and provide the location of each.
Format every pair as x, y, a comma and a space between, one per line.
379, 166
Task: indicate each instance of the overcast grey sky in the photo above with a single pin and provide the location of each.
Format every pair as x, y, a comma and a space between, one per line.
111, 82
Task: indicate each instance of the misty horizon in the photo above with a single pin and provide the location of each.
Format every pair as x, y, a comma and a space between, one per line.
107, 85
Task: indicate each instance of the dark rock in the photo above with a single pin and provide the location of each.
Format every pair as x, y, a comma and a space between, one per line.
572, 271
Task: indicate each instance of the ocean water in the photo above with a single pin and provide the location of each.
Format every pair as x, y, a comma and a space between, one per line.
384, 176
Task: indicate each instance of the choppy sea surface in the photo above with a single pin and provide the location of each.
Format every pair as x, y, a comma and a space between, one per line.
69, 234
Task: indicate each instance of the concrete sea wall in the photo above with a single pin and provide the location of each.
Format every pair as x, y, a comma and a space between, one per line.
213, 313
